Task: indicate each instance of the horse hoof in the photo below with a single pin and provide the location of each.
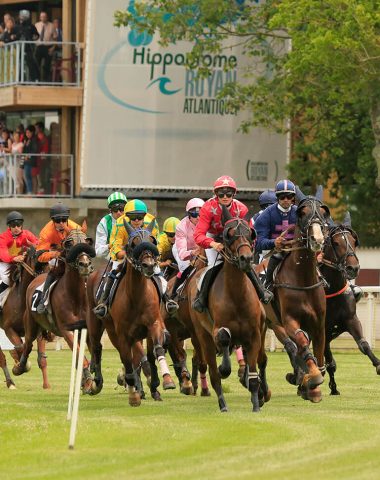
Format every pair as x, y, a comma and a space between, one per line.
334, 392
224, 372
46, 386
134, 399
314, 395
188, 390
120, 379
28, 366
378, 369
95, 388
168, 383
256, 409
313, 381
291, 378
11, 385
224, 410
205, 392
156, 396
268, 396
18, 370
241, 371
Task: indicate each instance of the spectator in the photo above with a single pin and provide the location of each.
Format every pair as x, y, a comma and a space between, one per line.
28, 32
5, 142
11, 31
57, 52
21, 131
57, 30
43, 162
30, 161
44, 50
17, 149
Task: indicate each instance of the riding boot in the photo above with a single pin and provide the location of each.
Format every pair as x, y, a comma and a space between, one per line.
357, 291
171, 305
273, 262
3, 287
265, 296
41, 308
101, 309
200, 301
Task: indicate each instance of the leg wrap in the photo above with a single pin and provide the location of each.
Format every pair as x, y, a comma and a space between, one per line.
167, 339
363, 346
130, 378
331, 367
299, 330
306, 355
322, 369
291, 350
159, 353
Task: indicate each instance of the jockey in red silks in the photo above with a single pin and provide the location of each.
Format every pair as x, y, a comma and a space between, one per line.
208, 234
12, 242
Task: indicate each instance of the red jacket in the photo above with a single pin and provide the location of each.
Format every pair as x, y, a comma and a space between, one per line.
11, 246
210, 220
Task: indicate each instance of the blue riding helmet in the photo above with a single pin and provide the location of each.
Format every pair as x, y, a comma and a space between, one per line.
268, 197
285, 186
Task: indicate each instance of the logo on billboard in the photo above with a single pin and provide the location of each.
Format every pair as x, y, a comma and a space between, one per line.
167, 73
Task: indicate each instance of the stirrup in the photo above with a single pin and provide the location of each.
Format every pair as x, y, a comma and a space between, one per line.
267, 297
100, 310
41, 308
171, 306
198, 305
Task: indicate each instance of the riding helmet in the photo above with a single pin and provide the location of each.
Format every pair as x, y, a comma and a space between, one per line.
170, 224
225, 182
12, 216
268, 197
116, 198
285, 186
135, 206
194, 203
59, 210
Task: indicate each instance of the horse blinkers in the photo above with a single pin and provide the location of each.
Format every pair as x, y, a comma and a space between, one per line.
242, 254
343, 241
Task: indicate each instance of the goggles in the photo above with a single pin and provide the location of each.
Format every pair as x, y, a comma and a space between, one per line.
136, 216
283, 196
117, 208
170, 234
16, 223
60, 220
225, 193
194, 213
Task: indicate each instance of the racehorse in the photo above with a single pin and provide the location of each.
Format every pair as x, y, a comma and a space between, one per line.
68, 300
11, 318
234, 315
180, 327
134, 313
300, 301
339, 265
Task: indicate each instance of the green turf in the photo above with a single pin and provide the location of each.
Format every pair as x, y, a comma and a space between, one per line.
187, 437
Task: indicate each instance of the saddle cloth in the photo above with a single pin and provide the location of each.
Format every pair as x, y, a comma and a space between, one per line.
3, 297
5, 344
38, 293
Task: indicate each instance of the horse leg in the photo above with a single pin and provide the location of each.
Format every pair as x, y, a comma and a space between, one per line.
201, 366
194, 372
241, 362
179, 356
157, 336
354, 327
41, 360
264, 392
125, 352
138, 355
86, 376
223, 341
3, 364
95, 331
154, 380
331, 369
294, 378
251, 377
31, 332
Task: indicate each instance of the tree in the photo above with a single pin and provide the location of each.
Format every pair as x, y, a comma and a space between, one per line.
327, 84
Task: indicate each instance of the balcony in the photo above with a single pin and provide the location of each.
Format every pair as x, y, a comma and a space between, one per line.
55, 82
36, 175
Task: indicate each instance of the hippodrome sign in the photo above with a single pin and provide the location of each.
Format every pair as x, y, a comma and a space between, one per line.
159, 125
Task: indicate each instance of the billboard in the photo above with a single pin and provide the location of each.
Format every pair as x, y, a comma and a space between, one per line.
149, 122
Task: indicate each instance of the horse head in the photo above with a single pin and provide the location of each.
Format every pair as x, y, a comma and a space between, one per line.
340, 249
78, 251
312, 216
141, 248
237, 240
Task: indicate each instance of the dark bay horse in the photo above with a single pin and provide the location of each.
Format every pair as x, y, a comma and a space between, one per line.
180, 327
339, 265
68, 299
11, 317
133, 315
300, 301
234, 316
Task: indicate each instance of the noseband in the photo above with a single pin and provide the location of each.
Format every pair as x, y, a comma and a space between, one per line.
242, 230
340, 263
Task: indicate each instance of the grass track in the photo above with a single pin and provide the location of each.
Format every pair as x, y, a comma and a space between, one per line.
186, 437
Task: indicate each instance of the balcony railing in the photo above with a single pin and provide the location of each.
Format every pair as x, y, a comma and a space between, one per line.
36, 175
37, 63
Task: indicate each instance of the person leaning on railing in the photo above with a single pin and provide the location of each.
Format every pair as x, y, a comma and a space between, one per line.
17, 149
30, 161
28, 33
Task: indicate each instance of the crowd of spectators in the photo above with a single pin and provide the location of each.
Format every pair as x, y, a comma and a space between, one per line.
33, 167
40, 56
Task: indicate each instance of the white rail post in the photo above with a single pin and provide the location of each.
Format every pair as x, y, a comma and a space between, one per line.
74, 418
370, 337
72, 375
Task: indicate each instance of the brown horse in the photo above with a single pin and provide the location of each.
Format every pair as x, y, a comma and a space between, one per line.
299, 294
339, 265
11, 318
134, 313
234, 315
180, 327
68, 299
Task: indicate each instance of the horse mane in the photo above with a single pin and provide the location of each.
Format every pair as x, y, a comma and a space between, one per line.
12, 269
75, 250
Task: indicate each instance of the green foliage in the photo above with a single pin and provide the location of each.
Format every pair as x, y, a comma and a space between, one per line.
326, 84
188, 437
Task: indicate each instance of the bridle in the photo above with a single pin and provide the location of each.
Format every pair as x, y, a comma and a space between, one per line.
314, 217
242, 230
146, 247
340, 263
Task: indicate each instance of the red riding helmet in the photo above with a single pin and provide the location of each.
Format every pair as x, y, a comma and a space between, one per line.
225, 182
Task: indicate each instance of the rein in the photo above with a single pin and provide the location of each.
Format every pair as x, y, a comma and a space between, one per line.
294, 287
340, 264
29, 269
227, 254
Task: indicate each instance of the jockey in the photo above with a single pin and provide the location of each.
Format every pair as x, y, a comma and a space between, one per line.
116, 203
11, 243
184, 249
166, 241
135, 213
276, 225
267, 198
51, 238
208, 233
